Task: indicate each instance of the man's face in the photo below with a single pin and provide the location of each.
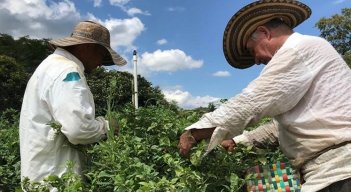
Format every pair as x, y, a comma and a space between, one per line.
93, 56
258, 45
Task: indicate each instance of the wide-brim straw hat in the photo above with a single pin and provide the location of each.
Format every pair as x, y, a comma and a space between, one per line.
244, 22
87, 32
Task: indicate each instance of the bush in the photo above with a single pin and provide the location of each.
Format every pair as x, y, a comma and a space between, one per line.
13, 80
143, 157
9, 151
121, 92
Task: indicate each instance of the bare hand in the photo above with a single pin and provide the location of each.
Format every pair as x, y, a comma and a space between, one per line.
186, 141
228, 144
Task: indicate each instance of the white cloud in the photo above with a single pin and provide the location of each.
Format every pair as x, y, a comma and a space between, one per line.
186, 100
123, 31
37, 18
97, 3
162, 41
119, 2
339, 1
133, 11
167, 60
173, 9
162, 61
130, 11
221, 74
52, 20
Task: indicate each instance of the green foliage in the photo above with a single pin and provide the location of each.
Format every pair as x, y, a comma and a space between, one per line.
13, 80
68, 182
121, 93
9, 151
337, 30
140, 151
28, 52
347, 58
143, 157
19, 58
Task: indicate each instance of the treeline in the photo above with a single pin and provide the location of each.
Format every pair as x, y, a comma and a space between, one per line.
337, 30
20, 57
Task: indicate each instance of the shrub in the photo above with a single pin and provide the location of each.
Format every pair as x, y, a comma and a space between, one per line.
9, 151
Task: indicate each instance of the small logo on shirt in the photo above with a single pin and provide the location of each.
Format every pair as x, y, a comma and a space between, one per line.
72, 76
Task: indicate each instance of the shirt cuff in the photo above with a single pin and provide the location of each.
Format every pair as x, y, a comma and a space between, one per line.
242, 139
106, 126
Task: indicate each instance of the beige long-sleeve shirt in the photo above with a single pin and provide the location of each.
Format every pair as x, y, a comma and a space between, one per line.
306, 89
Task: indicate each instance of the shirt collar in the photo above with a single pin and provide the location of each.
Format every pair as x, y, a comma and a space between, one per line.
68, 55
292, 39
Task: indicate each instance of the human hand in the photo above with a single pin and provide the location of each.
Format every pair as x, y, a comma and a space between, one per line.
114, 125
228, 144
186, 141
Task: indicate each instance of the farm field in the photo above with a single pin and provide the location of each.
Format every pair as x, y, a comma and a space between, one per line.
143, 157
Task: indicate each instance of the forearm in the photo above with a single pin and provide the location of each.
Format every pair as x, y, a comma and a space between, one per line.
266, 134
190, 137
200, 134
83, 132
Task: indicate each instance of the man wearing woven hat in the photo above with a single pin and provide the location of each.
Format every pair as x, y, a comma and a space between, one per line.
304, 86
57, 93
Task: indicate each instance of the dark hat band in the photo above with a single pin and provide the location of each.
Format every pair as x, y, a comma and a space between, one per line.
91, 32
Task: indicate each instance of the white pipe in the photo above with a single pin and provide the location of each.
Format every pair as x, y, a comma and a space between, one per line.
135, 80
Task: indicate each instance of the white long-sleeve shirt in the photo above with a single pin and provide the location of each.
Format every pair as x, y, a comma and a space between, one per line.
57, 92
306, 89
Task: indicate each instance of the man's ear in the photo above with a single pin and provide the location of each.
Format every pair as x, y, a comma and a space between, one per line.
264, 30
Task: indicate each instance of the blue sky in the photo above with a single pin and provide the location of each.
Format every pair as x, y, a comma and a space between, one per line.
179, 42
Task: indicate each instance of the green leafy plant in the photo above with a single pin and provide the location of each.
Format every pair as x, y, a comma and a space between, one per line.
9, 151
68, 182
144, 157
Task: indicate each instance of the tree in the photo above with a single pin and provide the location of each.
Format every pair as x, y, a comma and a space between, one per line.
27, 52
337, 30
18, 59
24, 55
13, 80
117, 86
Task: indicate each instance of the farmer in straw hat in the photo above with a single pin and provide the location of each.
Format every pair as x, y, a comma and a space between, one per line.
304, 86
58, 93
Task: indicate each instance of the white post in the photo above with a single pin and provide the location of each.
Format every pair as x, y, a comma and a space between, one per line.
135, 79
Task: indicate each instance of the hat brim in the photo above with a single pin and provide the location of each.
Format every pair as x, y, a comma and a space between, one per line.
113, 59
247, 19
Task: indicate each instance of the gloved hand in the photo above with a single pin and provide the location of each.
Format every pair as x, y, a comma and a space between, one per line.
186, 141
228, 144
